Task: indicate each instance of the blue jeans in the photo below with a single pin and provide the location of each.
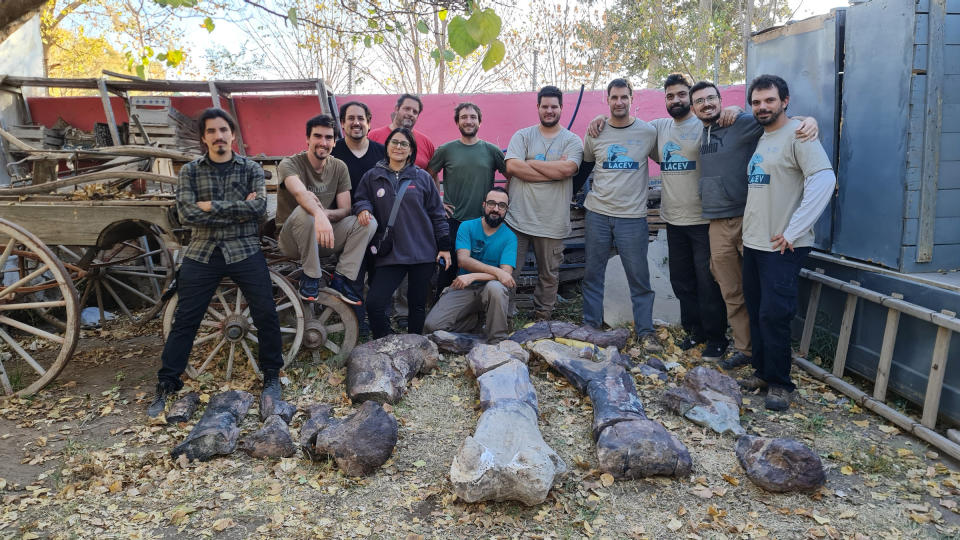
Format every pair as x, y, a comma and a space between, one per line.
196, 283
770, 293
631, 237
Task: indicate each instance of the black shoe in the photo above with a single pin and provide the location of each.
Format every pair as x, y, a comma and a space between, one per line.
346, 290
752, 383
737, 360
778, 398
272, 386
690, 342
159, 403
714, 351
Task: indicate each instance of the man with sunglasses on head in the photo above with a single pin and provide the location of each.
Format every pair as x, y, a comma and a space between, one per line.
487, 252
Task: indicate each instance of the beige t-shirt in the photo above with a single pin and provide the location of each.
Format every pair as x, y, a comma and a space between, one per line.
776, 174
542, 208
326, 185
620, 176
678, 152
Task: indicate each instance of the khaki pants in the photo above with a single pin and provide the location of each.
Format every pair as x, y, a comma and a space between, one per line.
549, 254
298, 239
726, 264
458, 310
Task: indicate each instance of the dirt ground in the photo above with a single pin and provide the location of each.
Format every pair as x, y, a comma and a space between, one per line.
79, 459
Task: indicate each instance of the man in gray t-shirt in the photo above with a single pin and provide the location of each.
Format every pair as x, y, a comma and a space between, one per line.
617, 207
541, 161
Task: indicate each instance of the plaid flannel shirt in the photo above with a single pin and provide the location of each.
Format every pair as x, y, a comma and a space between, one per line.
233, 223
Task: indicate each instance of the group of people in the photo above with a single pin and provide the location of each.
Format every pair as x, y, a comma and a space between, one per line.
741, 193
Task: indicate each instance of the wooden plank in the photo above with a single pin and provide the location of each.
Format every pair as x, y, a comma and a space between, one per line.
214, 94
946, 230
886, 351
810, 320
322, 96
938, 367
948, 203
108, 110
79, 225
846, 328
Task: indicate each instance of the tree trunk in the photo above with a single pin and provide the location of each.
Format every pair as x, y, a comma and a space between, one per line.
747, 28
441, 36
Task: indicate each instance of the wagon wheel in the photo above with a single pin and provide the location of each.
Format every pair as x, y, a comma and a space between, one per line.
227, 328
43, 350
331, 328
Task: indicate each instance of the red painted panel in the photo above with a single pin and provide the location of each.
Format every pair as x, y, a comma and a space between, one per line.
273, 124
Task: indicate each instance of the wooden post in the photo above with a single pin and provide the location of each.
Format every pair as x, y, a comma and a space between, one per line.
846, 327
932, 129
322, 96
886, 351
938, 368
108, 110
811, 318
214, 94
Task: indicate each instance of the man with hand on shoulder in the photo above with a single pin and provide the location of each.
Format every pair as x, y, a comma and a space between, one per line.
487, 252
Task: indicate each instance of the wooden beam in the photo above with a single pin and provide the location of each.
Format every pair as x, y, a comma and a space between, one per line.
214, 94
322, 96
932, 130
846, 328
810, 321
108, 110
938, 368
886, 351
160, 85
84, 178
81, 225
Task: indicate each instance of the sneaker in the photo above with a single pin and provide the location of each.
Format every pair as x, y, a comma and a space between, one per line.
272, 386
345, 290
309, 287
649, 342
778, 399
690, 342
159, 403
737, 360
752, 383
714, 351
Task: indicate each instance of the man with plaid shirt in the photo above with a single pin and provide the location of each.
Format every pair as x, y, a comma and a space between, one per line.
221, 197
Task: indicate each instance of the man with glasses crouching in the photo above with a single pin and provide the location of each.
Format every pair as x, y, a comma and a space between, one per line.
487, 255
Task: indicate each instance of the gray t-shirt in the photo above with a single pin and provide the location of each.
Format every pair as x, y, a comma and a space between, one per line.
776, 174
542, 208
620, 177
678, 150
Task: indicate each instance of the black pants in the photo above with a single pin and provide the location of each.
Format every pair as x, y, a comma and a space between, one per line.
196, 283
384, 281
446, 277
702, 310
770, 293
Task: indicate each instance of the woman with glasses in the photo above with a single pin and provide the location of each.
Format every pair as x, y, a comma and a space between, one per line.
418, 238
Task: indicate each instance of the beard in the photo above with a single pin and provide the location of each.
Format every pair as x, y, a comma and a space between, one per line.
493, 220
712, 119
467, 133
774, 115
549, 124
407, 123
355, 137
679, 110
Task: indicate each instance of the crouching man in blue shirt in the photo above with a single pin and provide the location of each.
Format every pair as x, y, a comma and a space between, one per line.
487, 255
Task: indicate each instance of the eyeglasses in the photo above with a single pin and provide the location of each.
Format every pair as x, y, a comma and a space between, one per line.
709, 99
500, 205
400, 144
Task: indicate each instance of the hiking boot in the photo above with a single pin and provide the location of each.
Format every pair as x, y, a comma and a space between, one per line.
159, 403
649, 342
690, 342
778, 398
345, 290
737, 360
541, 315
309, 288
272, 386
752, 383
714, 351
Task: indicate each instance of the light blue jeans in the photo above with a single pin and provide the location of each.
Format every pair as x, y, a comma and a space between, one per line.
631, 237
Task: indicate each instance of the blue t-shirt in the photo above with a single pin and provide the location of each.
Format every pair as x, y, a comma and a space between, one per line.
496, 249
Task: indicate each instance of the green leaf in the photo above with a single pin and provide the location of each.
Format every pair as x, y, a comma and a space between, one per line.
459, 38
174, 57
367, 41
141, 72
208, 24
484, 26
162, 57
435, 54
442, 14
292, 16
373, 23
148, 51
422, 27
494, 55
448, 55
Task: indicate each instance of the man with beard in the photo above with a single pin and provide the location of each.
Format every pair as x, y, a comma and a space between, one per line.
468, 166
356, 149
724, 153
221, 198
617, 208
487, 252
541, 161
790, 182
314, 211
406, 113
